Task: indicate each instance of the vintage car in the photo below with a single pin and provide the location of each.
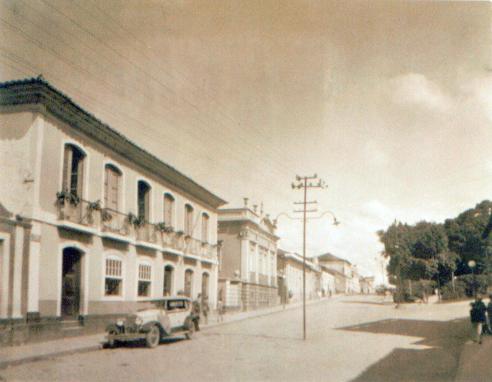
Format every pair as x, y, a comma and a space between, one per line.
160, 318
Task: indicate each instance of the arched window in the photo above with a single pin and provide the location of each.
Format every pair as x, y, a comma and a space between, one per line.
188, 226
168, 280
205, 220
168, 209
143, 200
113, 282
112, 187
188, 283
73, 169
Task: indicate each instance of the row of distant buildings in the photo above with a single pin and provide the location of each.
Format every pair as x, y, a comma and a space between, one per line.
92, 225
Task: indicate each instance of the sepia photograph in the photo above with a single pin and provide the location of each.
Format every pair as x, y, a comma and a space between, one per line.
246, 190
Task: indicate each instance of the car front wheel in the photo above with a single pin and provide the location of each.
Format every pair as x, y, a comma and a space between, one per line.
153, 337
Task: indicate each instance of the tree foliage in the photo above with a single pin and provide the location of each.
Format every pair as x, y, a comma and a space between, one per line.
436, 252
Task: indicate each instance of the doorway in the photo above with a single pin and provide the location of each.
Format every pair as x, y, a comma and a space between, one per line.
71, 283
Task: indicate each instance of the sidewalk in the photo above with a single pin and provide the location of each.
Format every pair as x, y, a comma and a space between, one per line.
15, 355
474, 364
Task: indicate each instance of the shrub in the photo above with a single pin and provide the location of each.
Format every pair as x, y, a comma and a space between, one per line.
448, 292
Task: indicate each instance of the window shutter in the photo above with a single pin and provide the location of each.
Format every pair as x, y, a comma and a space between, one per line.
107, 174
113, 187
80, 176
67, 167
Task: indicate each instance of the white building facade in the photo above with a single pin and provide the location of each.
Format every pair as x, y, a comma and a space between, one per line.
100, 225
290, 270
248, 259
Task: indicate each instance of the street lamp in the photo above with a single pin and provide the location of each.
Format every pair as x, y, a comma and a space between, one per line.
472, 264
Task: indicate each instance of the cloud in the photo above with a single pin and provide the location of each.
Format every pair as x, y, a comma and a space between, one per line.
480, 92
414, 89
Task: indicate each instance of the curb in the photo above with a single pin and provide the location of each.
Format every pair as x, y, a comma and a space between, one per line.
85, 349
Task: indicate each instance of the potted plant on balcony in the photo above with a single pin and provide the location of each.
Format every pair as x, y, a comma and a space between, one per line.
180, 233
67, 196
91, 207
106, 215
136, 221
94, 206
161, 226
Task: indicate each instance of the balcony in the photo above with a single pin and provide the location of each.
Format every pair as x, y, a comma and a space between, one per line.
77, 214
115, 225
88, 217
146, 235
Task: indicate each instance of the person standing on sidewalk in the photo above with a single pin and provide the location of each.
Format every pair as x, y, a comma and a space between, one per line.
205, 309
220, 310
196, 312
489, 315
477, 318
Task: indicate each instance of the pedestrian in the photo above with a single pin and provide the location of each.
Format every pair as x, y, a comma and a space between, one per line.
205, 309
477, 318
489, 315
196, 312
220, 310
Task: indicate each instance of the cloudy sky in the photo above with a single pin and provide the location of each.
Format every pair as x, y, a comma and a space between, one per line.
389, 102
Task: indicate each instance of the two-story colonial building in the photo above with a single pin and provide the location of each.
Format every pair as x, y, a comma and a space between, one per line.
91, 225
248, 265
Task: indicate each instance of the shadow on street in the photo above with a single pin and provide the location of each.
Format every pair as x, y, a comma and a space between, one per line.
438, 363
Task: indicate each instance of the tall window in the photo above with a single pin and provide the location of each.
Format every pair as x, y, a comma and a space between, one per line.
143, 200
73, 169
168, 209
188, 219
112, 187
205, 220
114, 277
168, 280
144, 280
188, 285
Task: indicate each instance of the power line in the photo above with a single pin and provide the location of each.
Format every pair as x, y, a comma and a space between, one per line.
75, 66
152, 77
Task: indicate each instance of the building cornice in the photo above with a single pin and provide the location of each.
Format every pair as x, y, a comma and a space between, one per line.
36, 91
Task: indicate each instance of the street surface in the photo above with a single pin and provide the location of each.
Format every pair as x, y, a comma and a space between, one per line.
356, 338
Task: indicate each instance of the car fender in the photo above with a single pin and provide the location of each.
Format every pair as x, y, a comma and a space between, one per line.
146, 327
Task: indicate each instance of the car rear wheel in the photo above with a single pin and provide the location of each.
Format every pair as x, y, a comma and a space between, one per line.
153, 337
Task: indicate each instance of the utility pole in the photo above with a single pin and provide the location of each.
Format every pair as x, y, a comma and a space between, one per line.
305, 182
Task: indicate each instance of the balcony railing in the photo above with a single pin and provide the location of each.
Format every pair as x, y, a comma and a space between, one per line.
115, 222
79, 212
146, 232
90, 217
